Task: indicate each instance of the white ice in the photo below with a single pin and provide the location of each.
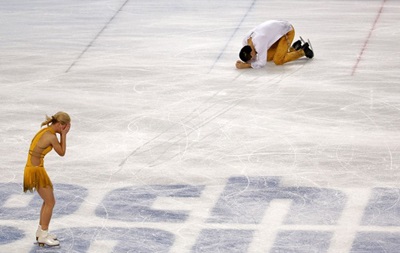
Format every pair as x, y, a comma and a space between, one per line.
156, 101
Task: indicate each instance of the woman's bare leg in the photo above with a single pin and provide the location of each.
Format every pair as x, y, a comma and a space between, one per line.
47, 208
41, 213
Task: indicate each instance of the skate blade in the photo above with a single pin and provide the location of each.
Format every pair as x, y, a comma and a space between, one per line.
53, 239
44, 245
308, 41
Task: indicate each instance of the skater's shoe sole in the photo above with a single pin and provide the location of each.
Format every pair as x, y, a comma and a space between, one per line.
307, 48
307, 51
42, 245
297, 45
54, 238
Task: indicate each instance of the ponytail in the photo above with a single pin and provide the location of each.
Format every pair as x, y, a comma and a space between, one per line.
48, 121
58, 117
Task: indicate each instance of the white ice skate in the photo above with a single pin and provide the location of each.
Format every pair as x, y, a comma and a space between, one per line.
42, 241
39, 232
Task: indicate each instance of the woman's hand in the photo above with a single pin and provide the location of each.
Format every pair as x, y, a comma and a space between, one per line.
65, 128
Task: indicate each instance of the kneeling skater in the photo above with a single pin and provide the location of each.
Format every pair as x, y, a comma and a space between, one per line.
271, 41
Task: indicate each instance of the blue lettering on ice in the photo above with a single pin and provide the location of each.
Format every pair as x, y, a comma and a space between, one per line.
223, 241
10, 234
302, 242
245, 200
140, 240
134, 204
68, 198
383, 208
376, 242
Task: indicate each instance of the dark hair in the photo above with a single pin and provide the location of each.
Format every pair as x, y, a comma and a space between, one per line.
245, 53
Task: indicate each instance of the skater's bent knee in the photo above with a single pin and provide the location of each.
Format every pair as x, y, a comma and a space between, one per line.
279, 62
50, 203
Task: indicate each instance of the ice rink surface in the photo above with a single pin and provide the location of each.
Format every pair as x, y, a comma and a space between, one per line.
172, 149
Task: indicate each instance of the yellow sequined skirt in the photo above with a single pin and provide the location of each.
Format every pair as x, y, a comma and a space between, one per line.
36, 177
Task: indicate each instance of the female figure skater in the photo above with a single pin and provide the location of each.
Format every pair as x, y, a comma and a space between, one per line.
35, 176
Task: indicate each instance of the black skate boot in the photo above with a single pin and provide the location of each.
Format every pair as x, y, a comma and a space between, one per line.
297, 45
307, 50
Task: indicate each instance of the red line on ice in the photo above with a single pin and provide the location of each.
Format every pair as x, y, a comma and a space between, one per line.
369, 36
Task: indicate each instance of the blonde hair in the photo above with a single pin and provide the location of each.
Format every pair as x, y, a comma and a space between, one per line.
61, 117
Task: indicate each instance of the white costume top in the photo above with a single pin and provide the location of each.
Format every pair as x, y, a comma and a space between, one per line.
264, 36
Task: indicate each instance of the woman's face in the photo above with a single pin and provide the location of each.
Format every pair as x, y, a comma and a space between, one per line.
59, 126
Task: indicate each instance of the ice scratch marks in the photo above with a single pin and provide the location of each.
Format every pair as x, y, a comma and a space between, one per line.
207, 111
176, 138
96, 37
233, 34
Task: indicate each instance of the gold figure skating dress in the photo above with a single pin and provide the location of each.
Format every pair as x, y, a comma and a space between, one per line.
36, 176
